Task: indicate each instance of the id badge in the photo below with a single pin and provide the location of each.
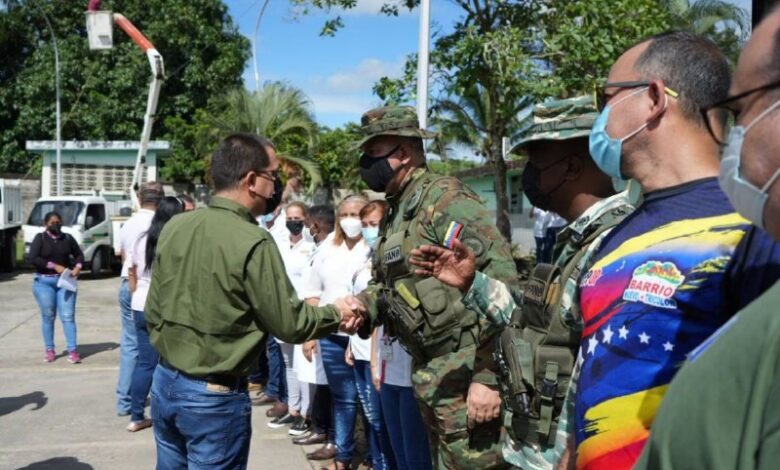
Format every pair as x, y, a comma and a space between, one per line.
387, 349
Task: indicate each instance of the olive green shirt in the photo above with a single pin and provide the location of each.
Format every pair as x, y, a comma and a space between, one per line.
218, 287
722, 410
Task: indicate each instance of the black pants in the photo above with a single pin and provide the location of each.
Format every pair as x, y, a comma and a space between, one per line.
322, 413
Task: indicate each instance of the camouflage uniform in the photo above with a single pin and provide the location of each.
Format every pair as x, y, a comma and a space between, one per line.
558, 120
451, 345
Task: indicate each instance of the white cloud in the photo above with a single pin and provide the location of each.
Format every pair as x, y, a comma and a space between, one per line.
362, 77
356, 105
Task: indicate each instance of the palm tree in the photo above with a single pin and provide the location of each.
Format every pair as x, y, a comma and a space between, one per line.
724, 22
477, 121
277, 111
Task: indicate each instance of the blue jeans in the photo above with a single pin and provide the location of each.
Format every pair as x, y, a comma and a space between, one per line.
261, 376
144, 368
341, 379
277, 372
376, 433
405, 428
53, 300
128, 349
197, 428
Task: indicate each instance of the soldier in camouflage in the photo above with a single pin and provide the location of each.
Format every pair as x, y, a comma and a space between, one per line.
560, 176
454, 372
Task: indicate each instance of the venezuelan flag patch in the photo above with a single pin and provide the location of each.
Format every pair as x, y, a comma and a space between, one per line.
453, 232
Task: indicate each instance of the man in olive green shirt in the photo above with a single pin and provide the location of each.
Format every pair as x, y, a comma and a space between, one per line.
218, 287
722, 410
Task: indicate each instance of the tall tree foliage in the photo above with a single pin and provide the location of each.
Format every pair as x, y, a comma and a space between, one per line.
104, 92
277, 111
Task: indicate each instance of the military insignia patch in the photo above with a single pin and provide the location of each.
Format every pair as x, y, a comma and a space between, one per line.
393, 255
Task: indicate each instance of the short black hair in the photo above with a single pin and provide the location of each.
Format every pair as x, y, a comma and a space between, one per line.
323, 213
689, 64
237, 155
151, 193
49, 215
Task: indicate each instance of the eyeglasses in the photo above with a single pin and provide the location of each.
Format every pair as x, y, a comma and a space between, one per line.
270, 175
602, 97
722, 116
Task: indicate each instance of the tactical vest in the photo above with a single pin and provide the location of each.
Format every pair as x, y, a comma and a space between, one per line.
426, 315
537, 351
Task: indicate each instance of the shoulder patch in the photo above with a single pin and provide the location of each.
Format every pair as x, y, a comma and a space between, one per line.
476, 245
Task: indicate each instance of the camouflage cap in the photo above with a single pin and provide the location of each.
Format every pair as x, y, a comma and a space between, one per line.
559, 120
391, 120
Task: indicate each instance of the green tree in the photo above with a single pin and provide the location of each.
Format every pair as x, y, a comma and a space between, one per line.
501, 56
277, 111
104, 92
724, 22
338, 159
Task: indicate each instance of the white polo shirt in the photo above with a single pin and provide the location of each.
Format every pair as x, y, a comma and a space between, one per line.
135, 227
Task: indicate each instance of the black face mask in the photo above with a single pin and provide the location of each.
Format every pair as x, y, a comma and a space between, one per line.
376, 171
530, 181
55, 229
295, 226
276, 198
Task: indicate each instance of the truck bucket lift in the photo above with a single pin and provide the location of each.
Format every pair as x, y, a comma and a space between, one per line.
100, 33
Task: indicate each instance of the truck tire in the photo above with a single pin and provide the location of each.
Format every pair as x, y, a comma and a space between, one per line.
98, 260
8, 251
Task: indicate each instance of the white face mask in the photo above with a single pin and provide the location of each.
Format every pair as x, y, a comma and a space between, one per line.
746, 198
352, 226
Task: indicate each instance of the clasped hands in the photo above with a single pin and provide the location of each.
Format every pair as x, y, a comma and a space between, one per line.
352, 312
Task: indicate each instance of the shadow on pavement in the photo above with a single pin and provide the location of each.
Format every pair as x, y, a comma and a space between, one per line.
86, 350
58, 463
11, 404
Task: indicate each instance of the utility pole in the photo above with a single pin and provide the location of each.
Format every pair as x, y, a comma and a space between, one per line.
422, 63
58, 132
254, 44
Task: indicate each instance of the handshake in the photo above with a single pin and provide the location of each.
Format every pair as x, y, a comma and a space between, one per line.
352, 312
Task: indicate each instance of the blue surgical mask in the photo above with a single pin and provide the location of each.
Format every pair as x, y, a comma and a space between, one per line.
267, 218
746, 198
605, 150
371, 235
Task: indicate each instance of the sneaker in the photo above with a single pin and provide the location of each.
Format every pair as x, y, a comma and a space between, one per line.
299, 427
49, 356
282, 421
136, 426
74, 358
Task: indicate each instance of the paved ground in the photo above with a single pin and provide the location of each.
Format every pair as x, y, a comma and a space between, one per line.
62, 416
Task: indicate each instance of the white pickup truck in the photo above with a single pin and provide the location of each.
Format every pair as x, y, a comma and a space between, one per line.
10, 222
88, 219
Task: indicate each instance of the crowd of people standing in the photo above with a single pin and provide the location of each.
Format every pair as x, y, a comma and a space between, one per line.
406, 314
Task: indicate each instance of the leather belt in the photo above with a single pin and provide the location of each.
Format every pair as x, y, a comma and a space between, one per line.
223, 380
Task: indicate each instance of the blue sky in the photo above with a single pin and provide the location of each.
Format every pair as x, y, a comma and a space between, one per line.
337, 73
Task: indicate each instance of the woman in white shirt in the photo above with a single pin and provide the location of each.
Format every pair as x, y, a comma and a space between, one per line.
139, 277
295, 253
331, 277
359, 354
